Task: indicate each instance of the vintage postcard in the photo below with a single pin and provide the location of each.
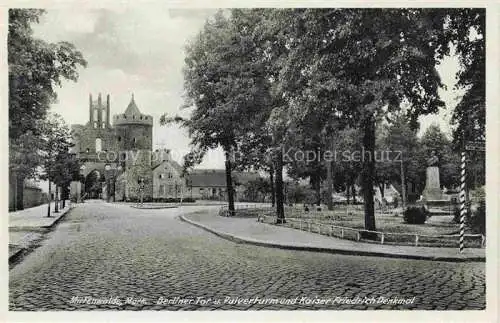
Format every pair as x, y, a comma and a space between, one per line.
330, 160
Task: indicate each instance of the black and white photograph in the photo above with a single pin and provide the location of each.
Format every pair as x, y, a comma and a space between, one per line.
266, 159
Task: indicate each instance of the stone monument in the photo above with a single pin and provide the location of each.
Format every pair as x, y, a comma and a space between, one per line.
432, 190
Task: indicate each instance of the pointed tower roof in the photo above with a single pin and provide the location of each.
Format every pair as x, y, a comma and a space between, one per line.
132, 115
132, 108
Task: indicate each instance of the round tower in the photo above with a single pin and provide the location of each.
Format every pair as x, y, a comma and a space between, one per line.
134, 130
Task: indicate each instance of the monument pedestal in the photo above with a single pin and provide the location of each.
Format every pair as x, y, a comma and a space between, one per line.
432, 191
432, 194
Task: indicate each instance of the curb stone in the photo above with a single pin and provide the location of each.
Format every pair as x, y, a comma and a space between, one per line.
154, 208
42, 229
261, 243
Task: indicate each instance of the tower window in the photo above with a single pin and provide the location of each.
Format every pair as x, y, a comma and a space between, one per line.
119, 138
141, 117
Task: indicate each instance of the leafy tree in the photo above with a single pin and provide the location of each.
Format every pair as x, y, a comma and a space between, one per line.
36, 68
434, 140
257, 188
465, 29
399, 143
380, 58
225, 84
59, 166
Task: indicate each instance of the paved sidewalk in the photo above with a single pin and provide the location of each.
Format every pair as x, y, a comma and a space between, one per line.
248, 230
26, 227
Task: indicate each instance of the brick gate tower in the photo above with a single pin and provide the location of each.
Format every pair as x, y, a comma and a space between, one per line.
134, 138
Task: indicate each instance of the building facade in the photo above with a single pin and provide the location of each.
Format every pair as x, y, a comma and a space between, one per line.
117, 154
210, 184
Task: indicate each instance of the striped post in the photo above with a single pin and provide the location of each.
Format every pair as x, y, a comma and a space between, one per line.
463, 209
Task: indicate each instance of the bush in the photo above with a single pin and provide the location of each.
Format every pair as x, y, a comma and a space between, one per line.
478, 221
415, 215
412, 197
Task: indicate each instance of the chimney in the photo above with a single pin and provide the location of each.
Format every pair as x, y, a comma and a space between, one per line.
91, 114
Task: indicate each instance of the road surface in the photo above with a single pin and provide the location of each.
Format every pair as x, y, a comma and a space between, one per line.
109, 256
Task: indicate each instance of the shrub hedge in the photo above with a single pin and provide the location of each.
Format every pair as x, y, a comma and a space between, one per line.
415, 215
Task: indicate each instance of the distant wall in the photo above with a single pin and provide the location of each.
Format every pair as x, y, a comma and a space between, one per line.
32, 197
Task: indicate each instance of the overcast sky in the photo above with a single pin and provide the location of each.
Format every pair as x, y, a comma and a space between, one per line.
140, 50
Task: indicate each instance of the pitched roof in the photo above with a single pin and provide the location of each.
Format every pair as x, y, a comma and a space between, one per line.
173, 163
217, 177
132, 108
207, 178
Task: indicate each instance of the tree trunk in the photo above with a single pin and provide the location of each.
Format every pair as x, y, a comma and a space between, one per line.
273, 191
381, 187
353, 191
329, 180
229, 185
348, 192
280, 211
56, 200
50, 199
20, 192
318, 190
368, 173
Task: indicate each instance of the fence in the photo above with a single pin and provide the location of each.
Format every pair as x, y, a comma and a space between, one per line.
381, 237
309, 223
247, 208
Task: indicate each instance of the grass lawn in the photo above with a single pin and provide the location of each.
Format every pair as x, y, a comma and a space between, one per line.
392, 226
353, 217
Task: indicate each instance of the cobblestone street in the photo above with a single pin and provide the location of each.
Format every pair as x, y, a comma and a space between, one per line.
150, 260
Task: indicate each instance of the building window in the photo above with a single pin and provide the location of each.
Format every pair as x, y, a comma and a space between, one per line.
95, 124
162, 190
171, 189
170, 175
119, 138
104, 124
162, 176
98, 145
